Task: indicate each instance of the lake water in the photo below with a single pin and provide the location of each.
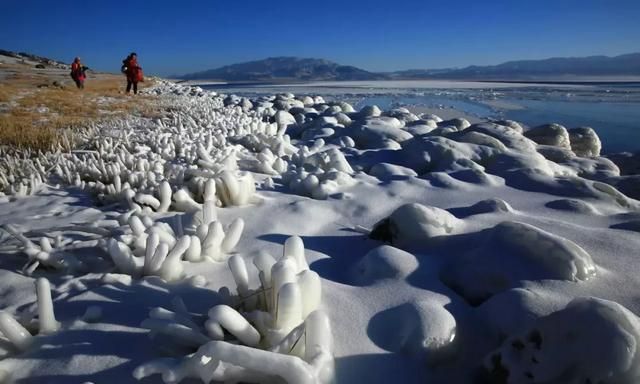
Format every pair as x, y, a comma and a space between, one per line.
612, 109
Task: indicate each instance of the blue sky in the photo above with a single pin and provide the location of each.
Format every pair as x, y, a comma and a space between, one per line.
187, 35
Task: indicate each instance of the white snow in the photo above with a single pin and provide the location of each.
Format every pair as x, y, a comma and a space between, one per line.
591, 340
287, 239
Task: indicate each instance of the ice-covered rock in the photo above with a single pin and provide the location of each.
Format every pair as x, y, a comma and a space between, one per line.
413, 225
458, 123
556, 154
370, 111
590, 341
284, 119
511, 252
585, 142
480, 139
511, 124
550, 134
430, 154
431, 116
509, 137
377, 131
420, 128
402, 114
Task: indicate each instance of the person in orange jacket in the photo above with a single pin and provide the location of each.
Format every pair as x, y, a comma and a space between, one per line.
78, 73
133, 72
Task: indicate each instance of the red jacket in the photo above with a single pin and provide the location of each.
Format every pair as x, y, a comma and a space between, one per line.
76, 71
133, 72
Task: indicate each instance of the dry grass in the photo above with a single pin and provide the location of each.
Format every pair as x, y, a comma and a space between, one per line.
5, 93
32, 116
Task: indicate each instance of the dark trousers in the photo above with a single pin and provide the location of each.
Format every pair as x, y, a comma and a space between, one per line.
135, 86
79, 83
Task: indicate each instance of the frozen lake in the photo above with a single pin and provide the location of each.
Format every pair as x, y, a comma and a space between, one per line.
612, 109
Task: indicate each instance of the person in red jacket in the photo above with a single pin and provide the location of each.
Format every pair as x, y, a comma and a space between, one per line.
133, 72
78, 73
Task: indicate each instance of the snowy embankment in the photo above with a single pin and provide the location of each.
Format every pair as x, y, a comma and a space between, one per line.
290, 240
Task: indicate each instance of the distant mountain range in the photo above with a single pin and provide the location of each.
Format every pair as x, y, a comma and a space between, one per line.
286, 69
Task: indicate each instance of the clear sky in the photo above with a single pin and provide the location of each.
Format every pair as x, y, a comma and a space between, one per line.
178, 36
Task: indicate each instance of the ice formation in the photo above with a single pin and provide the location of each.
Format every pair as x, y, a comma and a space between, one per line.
590, 341
16, 333
149, 248
55, 252
276, 331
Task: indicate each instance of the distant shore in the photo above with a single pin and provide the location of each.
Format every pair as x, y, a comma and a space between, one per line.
423, 83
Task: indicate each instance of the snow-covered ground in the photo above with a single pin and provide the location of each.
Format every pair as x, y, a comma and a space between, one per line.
286, 239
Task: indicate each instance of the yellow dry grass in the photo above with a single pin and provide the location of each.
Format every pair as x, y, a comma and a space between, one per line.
31, 116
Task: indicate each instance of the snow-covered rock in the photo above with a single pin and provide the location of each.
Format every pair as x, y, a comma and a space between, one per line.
413, 225
550, 134
511, 252
384, 262
590, 341
585, 142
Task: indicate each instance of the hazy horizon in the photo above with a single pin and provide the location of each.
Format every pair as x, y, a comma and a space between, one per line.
201, 35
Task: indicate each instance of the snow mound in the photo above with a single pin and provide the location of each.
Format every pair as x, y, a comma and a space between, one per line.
493, 205
378, 132
476, 175
402, 114
458, 123
481, 139
420, 127
431, 116
511, 124
514, 311
385, 171
436, 153
415, 224
529, 165
556, 154
561, 258
512, 252
511, 138
590, 341
572, 205
384, 262
423, 329
370, 111
550, 134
